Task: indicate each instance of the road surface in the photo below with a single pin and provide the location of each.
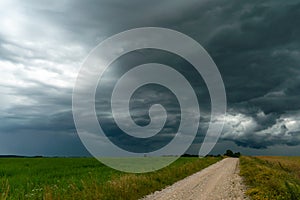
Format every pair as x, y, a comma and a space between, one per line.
218, 181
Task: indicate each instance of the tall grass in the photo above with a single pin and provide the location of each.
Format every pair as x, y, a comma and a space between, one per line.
86, 178
271, 177
4, 189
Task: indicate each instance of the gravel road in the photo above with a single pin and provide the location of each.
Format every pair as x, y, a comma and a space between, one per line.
218, 181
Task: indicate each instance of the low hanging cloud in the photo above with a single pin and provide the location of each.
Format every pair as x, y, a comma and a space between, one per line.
261, 130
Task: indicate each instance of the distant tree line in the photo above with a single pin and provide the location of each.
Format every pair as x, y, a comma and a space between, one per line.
189, 155
230, 153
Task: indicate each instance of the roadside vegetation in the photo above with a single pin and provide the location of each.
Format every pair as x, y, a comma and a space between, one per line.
270, 177
86, 178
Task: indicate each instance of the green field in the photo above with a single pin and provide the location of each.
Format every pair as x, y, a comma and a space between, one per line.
86, 178
270, 177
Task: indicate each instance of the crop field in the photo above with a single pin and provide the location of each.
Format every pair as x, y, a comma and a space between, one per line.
86, 178
271, 177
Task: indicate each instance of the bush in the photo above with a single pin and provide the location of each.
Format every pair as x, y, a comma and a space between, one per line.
230, 153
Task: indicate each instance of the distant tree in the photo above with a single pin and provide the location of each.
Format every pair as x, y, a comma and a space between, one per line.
236, 155
228, 153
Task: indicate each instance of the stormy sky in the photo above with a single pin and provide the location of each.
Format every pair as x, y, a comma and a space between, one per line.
255, 44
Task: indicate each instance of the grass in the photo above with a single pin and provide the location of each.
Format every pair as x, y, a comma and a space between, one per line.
86, 178
271, 177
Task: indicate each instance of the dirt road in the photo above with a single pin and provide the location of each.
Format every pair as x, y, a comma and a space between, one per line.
218, 181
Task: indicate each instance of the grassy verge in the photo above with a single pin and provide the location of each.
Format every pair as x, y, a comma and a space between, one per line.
271, 177
85, 178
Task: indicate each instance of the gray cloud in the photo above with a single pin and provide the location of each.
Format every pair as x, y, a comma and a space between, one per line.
255, 45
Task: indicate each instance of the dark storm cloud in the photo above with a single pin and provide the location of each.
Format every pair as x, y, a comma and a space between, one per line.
46, 109
256, 46
253, 52
258, 55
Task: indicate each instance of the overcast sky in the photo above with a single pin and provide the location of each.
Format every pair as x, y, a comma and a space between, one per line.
255, 44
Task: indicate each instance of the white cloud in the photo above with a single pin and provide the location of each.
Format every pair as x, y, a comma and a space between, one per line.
247, 131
